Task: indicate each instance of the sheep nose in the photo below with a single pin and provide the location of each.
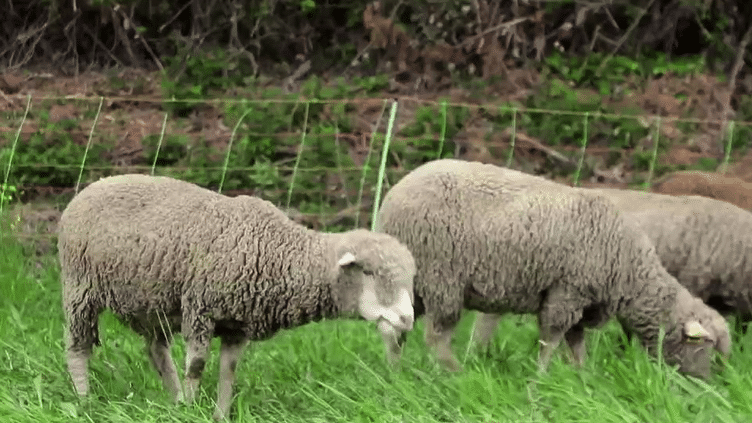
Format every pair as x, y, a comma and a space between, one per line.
407, 322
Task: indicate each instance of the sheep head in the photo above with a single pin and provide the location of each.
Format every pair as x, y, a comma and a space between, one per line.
702, 330
376, 275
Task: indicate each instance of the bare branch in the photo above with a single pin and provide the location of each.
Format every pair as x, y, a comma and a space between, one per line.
624, 37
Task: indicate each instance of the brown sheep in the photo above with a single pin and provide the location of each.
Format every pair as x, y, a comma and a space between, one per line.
706, 184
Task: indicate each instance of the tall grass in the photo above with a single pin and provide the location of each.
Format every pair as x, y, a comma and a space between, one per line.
334, 371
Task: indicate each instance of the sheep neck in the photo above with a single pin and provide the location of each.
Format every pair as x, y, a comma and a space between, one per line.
652, 305
310, 285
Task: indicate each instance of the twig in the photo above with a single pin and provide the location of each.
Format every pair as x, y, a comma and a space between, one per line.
128, 22
494, 28
746, 39
596, 33
550, 152
360, 53
624, 37
120, 33
394, 10
235, 43
70, 28
23, 38
5, 97
99, 42
299, 72
738, 62
344, 214
151, 52
611, 18
476, 6
161, 28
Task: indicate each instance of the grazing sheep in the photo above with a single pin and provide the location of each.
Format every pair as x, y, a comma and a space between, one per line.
702, 242
712, 185
496, 240
166, 255
698, 241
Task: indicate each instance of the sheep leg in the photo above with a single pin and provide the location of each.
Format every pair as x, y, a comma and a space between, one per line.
81, 335
200, 330
575, 338
159, 354
484, 328
548, 343
560, 311
229, 354
78, 359
438, 337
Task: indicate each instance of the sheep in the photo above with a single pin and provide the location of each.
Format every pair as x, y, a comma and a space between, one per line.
700, 241
712, 185
165, 254
496, 240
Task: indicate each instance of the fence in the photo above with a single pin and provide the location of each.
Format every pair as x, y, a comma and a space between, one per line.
318, 188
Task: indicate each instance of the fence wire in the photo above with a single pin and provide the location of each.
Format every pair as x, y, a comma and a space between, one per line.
359, 172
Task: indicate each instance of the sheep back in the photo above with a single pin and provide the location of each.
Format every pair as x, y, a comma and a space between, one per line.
142, 245
706, 184
497, 240
481, 226
701, 241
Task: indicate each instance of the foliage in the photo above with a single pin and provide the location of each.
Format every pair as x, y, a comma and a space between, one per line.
186, 82
6, 193
608, 74
51, 157
273, 36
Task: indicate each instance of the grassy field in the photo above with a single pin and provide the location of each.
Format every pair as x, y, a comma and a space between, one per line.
334, 371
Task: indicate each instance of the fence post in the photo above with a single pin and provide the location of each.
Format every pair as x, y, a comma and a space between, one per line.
651, 169
729, 143
229, 148
442, 136
4, 186
88, 143
159, 144
514, 136
382, 166
366, 164
300, 153
581, 161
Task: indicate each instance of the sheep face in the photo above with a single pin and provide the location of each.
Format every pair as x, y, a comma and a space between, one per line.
376, 280
700, 338
693, 352
383, 295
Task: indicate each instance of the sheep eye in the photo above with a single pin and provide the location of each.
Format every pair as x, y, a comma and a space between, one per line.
368, 272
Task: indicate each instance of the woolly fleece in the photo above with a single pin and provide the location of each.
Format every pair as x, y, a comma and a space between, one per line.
166, 255
496, 240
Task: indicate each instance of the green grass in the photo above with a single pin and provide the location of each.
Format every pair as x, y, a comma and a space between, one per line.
335, 371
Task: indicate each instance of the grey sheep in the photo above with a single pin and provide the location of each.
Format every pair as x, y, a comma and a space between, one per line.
166, 255
704, 243
496, 240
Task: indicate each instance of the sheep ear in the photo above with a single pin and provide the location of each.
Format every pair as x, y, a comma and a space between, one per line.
695, 331
346, 259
